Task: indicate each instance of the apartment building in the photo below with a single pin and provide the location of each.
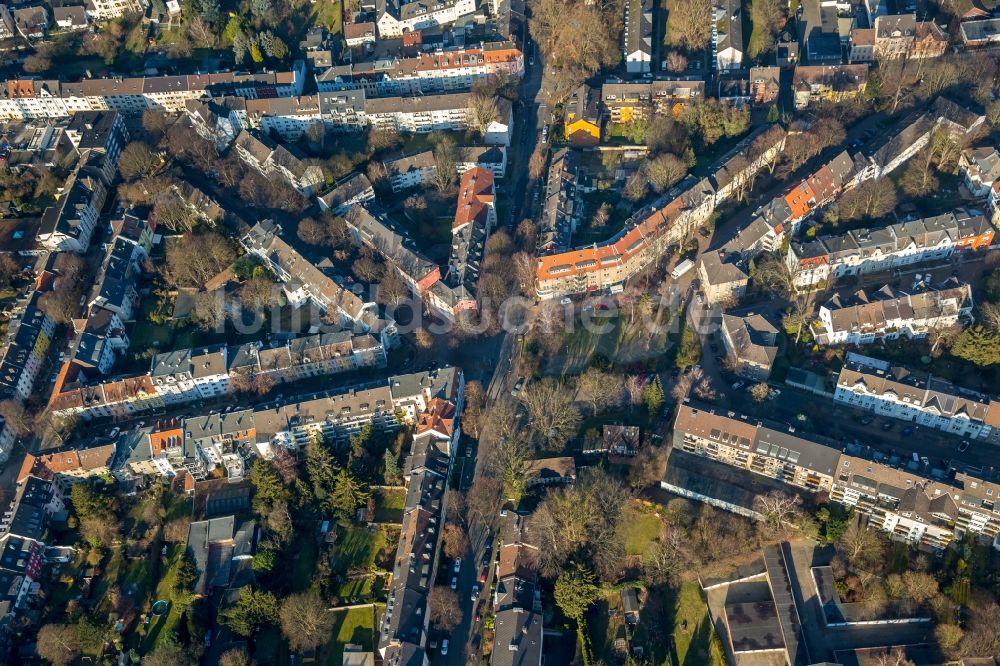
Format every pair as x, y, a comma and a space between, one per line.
736, 171
402, 632
413, 170
728, 44
475, 217
892, 150
980, 168
832, 83
582, 117
903, 502
29, 337
394, 18
68, 224
772, 451
70, 18
641, 243
623, 101
913, 395
887, 314
822, 29
637, 38
101, 132
751, 341
64, 467
649, 232
517, 601
374, 230
765, 85
420, 113
354, 188
288, 117
492, 158
223, 440
317, 355
218, 120
272, 159
301, 281
563, 207
861, 46
894, 35
929, 42
440, 71
37, 98
101, 338
860, 251
105, 10
359, 34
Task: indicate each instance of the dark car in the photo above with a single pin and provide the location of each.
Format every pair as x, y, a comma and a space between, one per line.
888, 425
866, 420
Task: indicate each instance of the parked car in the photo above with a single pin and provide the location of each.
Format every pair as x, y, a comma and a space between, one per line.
566, 300
963, 446
454, 582
908, 430
888, 425
444, 646
738, 385
482, 576
458, 565
475, 592
866, 420
114, 432
518, 385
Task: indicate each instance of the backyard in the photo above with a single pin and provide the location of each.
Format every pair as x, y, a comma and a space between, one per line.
360, 555
353, 626
694, 638
389, 505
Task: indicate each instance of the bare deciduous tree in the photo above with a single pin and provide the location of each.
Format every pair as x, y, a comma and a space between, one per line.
305, 621
443, 608
483, 111
600, 389
554, 416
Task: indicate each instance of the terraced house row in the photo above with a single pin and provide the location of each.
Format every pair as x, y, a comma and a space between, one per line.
649, 233
860, 251
909, 505
41, 98
724, 274
889, 390
187, 375
220, 119
200, 443
440, 71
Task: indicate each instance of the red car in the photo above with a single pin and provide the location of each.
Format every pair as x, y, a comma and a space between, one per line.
482, 576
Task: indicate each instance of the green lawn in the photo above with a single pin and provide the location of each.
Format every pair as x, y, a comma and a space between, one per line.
330, 13
389, 505
642, 530
356, 551
164, 626
693, 643
355, 626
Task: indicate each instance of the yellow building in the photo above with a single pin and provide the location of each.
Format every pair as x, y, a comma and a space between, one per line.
625, 101
832, 83
582, 121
